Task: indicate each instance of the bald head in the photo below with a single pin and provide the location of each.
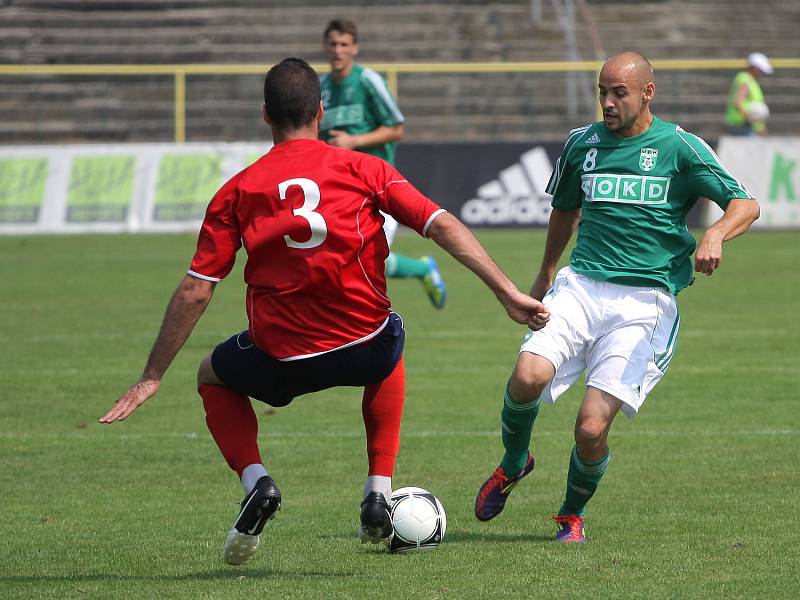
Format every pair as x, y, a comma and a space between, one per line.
630, 67
627, 87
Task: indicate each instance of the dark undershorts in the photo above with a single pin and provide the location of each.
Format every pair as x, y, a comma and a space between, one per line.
243, 367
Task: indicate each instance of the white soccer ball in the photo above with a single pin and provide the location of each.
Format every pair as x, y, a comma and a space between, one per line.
418, 519
757, 111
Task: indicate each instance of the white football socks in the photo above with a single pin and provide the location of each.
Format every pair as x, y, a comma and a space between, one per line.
251, 475
379, 483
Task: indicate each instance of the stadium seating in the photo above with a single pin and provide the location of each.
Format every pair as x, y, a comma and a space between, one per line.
439, 107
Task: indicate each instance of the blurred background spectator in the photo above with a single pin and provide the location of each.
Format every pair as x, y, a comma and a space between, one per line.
747, 112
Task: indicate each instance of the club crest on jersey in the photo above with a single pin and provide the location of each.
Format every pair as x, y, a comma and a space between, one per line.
647, 159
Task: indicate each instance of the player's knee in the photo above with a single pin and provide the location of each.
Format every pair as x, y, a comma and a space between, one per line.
591, 435
205, 374
532, 374
526, 384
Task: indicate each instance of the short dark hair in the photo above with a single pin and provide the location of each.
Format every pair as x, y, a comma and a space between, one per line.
342, 26
291, 94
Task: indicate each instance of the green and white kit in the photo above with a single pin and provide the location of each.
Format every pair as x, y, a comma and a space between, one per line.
360, 103
613, 308
634, 194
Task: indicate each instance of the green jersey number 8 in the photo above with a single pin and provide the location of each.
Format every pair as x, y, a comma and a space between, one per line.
590, 162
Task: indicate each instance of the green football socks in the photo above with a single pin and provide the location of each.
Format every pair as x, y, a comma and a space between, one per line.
583, 478
400, 266
516, 421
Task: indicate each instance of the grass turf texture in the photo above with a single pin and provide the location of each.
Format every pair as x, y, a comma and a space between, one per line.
700, 500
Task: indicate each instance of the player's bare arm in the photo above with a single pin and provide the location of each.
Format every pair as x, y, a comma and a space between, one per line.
376, 137
738, 217
187, 304
560, 228
449, 233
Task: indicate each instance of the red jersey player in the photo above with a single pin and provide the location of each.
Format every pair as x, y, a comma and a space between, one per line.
308, 216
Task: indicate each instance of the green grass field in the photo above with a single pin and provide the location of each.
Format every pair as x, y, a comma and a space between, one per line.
700, 500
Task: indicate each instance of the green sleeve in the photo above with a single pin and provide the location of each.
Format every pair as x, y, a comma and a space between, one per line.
707, 175
565, 182
380, 102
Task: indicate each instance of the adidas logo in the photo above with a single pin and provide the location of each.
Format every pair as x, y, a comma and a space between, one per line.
516, 197
594, 139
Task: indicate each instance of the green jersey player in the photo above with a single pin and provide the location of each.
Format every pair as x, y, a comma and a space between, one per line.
361, 114
626, 184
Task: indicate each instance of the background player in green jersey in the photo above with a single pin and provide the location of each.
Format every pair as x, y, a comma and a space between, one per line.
361, 114
626, 185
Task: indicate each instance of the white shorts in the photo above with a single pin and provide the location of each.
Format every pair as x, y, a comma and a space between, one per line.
623, 336
389, 228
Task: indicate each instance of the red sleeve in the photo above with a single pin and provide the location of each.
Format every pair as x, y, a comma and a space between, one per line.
219, 237
396, 196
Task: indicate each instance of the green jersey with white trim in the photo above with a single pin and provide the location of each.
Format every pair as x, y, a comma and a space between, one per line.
360, 103
634, 194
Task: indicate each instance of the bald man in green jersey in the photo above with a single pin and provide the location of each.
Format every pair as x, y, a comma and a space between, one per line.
361, 114
626, 184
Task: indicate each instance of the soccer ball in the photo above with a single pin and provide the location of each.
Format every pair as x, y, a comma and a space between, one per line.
757, 111
418, 519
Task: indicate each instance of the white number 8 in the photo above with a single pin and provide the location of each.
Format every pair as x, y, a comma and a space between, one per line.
311, 196
589, 162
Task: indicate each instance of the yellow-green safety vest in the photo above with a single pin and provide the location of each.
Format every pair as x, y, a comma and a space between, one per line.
732, 116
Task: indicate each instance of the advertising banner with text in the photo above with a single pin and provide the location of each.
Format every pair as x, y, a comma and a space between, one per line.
484, 184
114, 188
770, 169
490, 184
166, 187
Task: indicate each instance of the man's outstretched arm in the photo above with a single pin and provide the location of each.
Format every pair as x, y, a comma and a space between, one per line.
449, 233
183, 311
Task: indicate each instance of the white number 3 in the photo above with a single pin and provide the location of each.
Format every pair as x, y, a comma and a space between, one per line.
311, 195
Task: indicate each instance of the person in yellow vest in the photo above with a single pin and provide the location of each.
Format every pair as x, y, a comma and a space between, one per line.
747, 112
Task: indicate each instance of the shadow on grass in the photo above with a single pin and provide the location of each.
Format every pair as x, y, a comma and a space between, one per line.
460, 537
463, 537
233, 574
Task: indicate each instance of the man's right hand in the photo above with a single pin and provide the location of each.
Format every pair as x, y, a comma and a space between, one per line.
131, 400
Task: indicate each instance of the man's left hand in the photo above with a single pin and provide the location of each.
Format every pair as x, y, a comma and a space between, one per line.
709, 254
